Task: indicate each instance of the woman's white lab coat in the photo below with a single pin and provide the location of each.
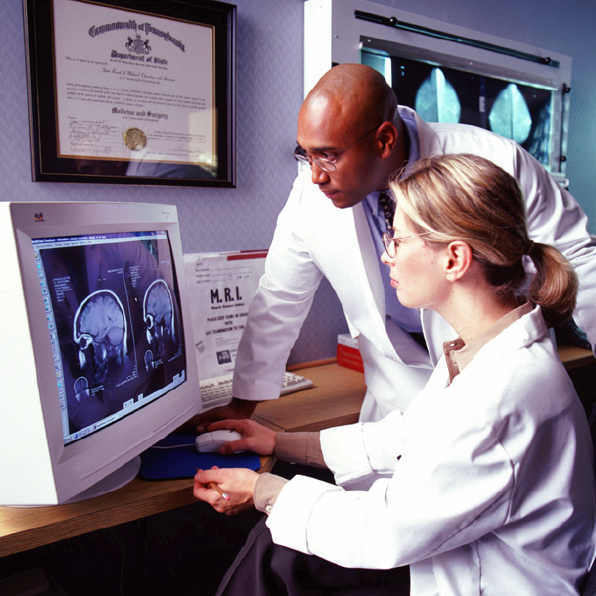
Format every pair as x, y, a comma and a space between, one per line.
492, 487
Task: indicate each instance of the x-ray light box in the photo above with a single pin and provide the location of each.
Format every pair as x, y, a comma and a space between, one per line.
449, 73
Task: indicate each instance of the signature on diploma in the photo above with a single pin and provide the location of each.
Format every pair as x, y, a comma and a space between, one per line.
94, 135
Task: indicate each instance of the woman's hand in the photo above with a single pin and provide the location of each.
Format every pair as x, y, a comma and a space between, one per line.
227, 490
255, 437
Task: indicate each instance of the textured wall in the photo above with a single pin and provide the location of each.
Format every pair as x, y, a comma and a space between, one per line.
269, 93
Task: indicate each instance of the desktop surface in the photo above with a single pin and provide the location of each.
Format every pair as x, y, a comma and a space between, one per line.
335, 399
325, 405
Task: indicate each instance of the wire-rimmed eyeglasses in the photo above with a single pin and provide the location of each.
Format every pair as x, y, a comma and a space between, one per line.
391, 242
324, 163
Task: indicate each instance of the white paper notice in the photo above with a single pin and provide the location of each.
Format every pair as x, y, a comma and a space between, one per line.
221, 287
133, 86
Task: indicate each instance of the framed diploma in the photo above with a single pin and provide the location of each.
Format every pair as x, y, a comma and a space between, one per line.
132, 91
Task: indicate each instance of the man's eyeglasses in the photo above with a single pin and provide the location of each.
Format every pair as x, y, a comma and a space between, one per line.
391, 242
324, 163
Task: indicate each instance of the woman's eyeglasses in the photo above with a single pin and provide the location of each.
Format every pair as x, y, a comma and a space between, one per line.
391, 242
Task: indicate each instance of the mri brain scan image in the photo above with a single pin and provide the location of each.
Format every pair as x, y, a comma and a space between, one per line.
117, 335
159, 316
100, 332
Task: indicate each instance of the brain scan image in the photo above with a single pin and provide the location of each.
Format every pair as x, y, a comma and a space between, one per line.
158, 313
100, 332
149, 361
118, 339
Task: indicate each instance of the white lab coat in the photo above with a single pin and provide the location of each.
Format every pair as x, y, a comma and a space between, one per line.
315, 239
492, 488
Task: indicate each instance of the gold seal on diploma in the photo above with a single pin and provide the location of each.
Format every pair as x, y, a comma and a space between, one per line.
135, 139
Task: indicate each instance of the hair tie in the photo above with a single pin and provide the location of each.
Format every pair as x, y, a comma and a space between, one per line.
530, 248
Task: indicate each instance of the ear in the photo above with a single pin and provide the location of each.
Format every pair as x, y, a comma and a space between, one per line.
458, 259
386, 139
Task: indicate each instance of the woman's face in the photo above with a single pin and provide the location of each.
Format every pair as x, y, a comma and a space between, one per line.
417, 271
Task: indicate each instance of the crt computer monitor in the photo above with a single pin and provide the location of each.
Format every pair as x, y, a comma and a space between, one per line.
97, 358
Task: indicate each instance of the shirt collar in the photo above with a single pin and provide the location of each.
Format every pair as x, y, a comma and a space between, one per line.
459, 354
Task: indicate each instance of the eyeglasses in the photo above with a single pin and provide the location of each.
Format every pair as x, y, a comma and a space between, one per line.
392, 242
324, 163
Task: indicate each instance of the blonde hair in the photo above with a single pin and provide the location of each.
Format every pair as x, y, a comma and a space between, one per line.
466, 197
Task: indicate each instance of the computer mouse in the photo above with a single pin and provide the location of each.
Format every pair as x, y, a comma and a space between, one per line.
211, 442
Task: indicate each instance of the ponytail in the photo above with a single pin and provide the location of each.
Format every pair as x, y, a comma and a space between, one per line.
554, 285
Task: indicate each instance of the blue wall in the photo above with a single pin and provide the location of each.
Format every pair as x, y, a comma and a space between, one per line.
269, 93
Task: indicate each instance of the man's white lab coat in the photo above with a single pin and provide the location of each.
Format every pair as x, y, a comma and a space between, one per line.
315, 239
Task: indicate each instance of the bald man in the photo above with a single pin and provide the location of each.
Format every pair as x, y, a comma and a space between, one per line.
354, 137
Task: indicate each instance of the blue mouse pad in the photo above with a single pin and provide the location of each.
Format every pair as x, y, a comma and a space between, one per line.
176, 457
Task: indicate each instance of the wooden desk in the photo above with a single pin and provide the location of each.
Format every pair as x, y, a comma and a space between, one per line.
30, 527
335, 399
22, 529
573, 357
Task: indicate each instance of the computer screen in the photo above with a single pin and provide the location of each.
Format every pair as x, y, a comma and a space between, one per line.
100, 321
113, 313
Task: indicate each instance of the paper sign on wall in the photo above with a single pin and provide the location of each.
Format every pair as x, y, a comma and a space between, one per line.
221, 287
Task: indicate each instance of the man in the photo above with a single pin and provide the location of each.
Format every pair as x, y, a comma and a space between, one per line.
355, 137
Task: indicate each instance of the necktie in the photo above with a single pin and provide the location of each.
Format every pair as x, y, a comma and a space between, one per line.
386, 201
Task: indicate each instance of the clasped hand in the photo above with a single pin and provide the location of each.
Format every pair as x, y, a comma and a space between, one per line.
237, 483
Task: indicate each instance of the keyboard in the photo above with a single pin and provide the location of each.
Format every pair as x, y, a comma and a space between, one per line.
217, 391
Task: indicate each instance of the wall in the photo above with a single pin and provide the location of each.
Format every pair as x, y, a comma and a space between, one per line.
269, 93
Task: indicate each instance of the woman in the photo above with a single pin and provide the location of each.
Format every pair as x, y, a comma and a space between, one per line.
484, 485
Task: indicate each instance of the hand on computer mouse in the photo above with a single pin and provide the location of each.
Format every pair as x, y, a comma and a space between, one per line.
254, 437
211, 442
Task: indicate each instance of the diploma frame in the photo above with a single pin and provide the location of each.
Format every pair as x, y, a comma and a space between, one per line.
51, 164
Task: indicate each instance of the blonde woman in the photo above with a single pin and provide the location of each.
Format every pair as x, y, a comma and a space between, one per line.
484, 485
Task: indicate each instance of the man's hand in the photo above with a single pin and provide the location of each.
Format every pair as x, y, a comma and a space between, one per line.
237, 409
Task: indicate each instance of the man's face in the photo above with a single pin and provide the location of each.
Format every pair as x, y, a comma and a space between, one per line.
351, 148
